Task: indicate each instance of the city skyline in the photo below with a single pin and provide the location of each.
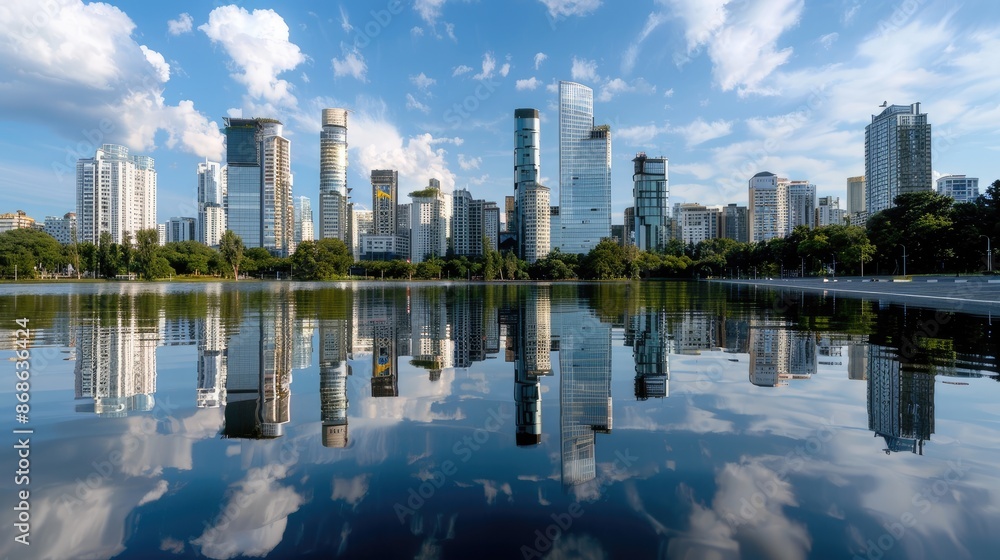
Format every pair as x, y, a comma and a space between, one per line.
796, 103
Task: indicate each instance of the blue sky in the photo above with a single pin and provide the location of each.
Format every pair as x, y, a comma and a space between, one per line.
723, 88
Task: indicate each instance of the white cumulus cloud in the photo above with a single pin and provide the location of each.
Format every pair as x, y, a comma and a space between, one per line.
528, 84
413, 103
539, 59
156, 60
584, 70
489, 65
699, 131
461, 69
352, 64
183, 24
422, 81
258, 44
467, 163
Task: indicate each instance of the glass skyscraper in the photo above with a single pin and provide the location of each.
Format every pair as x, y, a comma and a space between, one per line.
897, 156
652, 202
333, 175
584, 172
259, 184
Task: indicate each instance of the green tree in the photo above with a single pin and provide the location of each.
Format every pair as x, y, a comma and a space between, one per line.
88, 258
606, 261
149, 264
126, 251
231, 250
326, 259
107, 256
30, 248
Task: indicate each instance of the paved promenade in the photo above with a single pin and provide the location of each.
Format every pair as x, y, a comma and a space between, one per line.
968, 294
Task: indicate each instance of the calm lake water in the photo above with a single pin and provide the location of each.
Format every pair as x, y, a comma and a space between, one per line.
455, 421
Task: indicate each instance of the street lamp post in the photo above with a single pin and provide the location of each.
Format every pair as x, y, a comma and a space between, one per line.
989, 254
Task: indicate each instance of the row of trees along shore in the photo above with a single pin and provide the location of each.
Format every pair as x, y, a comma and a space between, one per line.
936, 235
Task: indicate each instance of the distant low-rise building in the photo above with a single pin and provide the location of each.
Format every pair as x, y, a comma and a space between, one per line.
959, 187
61, 228
15, 220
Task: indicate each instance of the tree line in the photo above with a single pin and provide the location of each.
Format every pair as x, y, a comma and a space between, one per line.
935, 234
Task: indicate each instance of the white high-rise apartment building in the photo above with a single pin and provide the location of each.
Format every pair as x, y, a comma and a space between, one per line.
115, 193
303, 220
959, 187
897, 156
829, 212
801, 205
768, 206
333, 215
211, 199
697, 223
584, 171
430, 213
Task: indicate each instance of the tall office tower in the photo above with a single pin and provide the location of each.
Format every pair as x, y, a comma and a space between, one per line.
897, 156
259, 184
628, 229
116, 362
801, 205
304, 230
959, 187
696, 223
334, 340
735, 223
430, 213
555, 227
652, 202
462, 223
384, 200
584, 171
333, 175
115, 193
533, 340
856, 198
62, 228
211, 201
584, 388
531, 215
403, 232
768, 206
900, 402
829, 212
651, 354
212, 361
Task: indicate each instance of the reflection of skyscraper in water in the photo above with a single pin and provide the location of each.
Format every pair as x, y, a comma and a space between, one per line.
857, 361
212, 362
258, 382
302, 340
333, 373
778, 354
900, 403
534, 339
465, 315
650, 350
380, 321
584, 389
116, 364
768, 356
698, 331
430, 332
